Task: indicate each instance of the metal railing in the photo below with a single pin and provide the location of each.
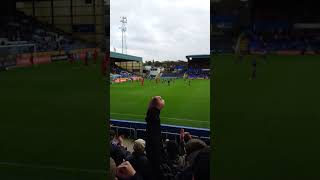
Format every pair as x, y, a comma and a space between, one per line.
136, 130
134, 133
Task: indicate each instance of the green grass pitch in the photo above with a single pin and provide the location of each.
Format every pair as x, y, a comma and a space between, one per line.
266, 128
53, 122
184, 105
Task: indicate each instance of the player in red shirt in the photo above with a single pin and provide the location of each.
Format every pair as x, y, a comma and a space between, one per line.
142, 81
86, 59
71, 57
31, 60
95, 55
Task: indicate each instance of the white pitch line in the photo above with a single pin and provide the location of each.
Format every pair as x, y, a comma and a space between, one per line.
52, 167
138, 115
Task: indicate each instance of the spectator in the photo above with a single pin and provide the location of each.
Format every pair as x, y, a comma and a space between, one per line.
162, 160
193, 147
175, 161
118, 152
139, 160
153, 131
187, 137
201, 165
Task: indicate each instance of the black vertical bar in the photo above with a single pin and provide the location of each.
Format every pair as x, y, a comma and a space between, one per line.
95, 21
52, 13
94, 13
71, 15
252, 11
33, 8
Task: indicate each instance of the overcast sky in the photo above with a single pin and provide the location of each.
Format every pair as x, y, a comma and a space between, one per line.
162, 29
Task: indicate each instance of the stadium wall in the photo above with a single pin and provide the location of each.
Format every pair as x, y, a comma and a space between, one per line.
84, 19
23, 60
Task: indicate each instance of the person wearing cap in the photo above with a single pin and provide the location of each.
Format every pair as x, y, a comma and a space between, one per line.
139, 160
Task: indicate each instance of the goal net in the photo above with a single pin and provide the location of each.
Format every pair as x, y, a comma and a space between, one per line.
9, 54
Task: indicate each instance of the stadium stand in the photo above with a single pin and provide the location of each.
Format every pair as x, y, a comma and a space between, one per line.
125, 67
25, 41
284, 40
22, 29
198, 66
258, 27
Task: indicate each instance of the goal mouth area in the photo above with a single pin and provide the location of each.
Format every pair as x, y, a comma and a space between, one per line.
10, 54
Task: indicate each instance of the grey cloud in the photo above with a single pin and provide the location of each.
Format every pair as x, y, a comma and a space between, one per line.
162, 29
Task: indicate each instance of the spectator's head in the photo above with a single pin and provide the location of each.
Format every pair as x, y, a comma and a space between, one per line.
113, 169
139, 145
187, 137
201, 165
156, 102
194, 145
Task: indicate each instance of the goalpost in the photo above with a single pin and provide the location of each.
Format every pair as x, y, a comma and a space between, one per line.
10, 53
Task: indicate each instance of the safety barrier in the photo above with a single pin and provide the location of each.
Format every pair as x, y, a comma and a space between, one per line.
137, 130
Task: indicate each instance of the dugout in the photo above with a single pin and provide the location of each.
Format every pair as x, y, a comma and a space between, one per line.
198, 61
128, 62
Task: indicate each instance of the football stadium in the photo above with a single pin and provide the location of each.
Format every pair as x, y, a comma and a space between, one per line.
53, 92
185, 119
266, 58
187, 100
159, 92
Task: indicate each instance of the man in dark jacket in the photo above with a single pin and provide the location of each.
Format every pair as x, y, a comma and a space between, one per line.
139, 161
153, 131
201, 165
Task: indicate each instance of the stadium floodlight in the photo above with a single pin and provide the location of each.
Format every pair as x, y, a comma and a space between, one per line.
123, 29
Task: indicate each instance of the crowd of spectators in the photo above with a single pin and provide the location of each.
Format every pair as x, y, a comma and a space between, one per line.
22, 29
116, 69
284, 40
198, 73
154, 158
173, 74
120, 72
